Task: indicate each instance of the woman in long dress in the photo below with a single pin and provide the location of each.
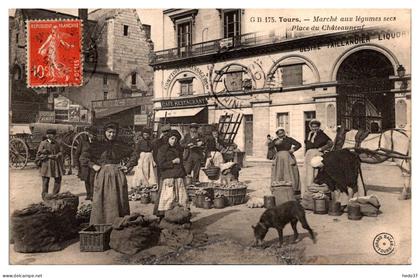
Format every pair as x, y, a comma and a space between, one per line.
316, 143
110, 192
285, 167
172, 173
145, 172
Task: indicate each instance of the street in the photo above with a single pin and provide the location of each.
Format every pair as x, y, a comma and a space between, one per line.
339, 240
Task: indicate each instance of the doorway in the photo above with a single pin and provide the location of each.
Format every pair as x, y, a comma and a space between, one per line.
249, 130
365, 100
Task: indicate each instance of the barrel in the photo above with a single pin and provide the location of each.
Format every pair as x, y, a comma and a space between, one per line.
320, 206
282, 194
199, 200
269, 201
334, 208
353, 212
219, 202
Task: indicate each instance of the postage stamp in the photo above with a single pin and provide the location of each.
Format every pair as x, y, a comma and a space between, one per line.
54, 49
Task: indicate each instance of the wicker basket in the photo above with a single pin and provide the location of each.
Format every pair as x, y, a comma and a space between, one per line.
212, 172
233, 196
95, 238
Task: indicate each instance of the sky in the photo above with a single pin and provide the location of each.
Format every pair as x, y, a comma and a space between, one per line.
152, 17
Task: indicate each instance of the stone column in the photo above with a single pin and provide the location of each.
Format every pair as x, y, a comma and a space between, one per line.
261, 122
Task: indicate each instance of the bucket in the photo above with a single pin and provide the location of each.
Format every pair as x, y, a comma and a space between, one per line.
199, 200
154, 195
334, 209
320, 206
353, 212
282, 194
145, 200
269, 201
206, 204
219, 202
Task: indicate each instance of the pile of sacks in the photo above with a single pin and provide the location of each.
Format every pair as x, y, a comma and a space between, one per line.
315, 191
176, 228
46, 226
133, 233
369, 205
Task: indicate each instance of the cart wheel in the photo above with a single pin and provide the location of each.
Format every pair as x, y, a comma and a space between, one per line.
18, 153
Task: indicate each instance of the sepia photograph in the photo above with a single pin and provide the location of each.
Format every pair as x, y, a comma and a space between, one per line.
209, 136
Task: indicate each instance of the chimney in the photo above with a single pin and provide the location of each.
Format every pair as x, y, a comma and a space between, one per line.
83, 15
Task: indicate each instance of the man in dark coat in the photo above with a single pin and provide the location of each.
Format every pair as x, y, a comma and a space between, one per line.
50, 159
85, 173
194, 143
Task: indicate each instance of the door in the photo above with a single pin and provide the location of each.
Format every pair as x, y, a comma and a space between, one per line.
308, 115
249, 130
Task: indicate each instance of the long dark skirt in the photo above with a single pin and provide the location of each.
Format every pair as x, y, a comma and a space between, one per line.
110, 197
285, 169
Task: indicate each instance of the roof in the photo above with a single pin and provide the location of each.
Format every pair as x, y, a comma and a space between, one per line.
102, 113
99, 69
47, 14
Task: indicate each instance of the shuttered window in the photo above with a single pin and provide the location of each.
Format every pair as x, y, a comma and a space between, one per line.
283, 121
233, 81
291, 75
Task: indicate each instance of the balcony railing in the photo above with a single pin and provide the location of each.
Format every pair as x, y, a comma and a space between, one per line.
215, 46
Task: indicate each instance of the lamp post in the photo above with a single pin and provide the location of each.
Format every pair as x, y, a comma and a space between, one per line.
401, 74
401, 71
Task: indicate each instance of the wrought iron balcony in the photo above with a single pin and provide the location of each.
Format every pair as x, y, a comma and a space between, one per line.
216, 46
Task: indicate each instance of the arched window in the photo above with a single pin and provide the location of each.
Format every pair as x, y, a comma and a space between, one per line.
290, 72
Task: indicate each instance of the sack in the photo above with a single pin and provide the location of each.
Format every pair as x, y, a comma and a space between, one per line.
132, 240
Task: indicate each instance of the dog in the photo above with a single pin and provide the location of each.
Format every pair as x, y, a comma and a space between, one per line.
277, 217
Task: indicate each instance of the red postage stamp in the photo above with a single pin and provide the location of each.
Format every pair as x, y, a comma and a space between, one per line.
54, 49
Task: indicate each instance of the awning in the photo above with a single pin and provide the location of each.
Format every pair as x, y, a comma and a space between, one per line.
102, 113
20, 129
186, 112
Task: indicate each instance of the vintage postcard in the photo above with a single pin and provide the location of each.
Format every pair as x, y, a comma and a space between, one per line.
210, 136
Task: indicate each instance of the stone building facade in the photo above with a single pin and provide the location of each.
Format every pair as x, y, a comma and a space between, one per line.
215, 61
116, 57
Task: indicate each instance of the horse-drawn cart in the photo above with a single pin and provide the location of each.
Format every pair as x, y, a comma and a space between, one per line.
25, 139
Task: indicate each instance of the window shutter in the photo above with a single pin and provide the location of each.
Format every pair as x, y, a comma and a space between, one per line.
292, 75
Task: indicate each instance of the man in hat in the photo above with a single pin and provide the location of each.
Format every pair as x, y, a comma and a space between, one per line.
49, 158
194, 143
316, 144
85, 173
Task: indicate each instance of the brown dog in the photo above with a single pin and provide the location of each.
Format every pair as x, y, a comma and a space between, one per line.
277, 217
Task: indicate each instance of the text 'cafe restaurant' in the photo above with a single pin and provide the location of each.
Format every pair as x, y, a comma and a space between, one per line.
356, 79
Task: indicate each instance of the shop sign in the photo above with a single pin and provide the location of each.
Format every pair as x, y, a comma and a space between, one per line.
184, 102
140, 119
46, 117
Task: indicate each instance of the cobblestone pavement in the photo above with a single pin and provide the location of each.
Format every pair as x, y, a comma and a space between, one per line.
340, 241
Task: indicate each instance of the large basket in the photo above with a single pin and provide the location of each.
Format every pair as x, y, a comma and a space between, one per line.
95, 238
212, 172
234, 196
203, 185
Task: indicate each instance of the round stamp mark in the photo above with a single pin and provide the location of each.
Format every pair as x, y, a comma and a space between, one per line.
384, 244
